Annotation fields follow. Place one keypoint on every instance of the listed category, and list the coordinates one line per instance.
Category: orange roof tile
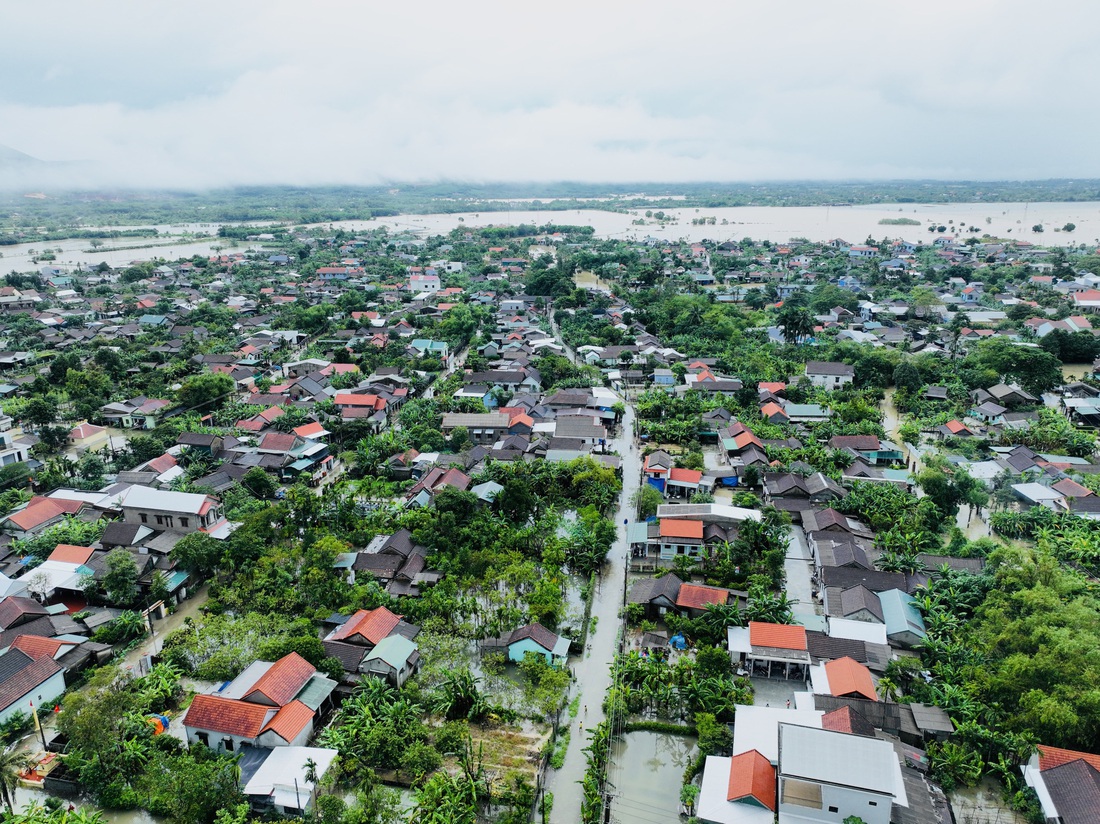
(778, 636)
(289, 721)
(1050, 757)
(308, 429)
(696, 596)
(226, 716)
(69, 554)
(849, 677)
(371, 624)
(283, 680)
(752, 776)
(37, 646)
(688, 476)
(675, 528)
(772, 408)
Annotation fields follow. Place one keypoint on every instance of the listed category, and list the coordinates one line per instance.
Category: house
(829, 374)
(176, 511)
(88, 437)
(760, 646)
(270, 704)
(532, 638)
(872, 449)
(680, 537)
(828, 776)
(394, 659)
(27, 682)
(843, 678)
(693, 599)
(367, 627)
(283, 780)
(137, 413)
(657, 595)
(904, 624)
(39, 514)
(747, 796)
(1067, 783)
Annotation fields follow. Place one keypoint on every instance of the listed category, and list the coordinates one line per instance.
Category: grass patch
(561, 747)
(574, 706)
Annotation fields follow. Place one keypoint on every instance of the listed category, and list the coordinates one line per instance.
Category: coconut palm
(12, 763)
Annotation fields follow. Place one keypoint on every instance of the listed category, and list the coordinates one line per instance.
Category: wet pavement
(798, 567)
(593, 668)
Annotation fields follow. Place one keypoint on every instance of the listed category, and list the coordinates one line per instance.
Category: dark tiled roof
(845, 577)
(537, 633)
(350, 656)
(25, 679)
(16, 608)
(847, 720)
(827, 648)
(1075, 790)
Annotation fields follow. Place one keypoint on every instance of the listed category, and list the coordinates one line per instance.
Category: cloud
(207, 94)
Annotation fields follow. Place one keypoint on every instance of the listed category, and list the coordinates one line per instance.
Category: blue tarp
(677, 641)
(657, 483)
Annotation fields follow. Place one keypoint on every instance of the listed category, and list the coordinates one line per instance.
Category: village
(518, 524)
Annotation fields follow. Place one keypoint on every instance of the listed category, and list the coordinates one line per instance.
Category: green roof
(806, 410)
(316, 690)
(900, 613)
(394, 650)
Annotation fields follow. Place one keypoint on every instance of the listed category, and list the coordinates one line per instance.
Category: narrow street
(593, 667)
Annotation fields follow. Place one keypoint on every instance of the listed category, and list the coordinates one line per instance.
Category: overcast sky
(204, 94)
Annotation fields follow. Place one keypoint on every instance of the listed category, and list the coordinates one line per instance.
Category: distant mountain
(14, 159)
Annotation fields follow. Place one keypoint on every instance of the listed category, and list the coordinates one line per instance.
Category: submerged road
(593, 667)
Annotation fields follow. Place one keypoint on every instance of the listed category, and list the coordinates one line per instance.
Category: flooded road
(593, 667)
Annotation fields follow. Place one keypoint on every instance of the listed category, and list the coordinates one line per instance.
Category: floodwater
(781, 223)
(775, 223)
(25, 796)
(647, 771)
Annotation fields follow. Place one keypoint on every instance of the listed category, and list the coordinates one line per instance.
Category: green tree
(198, 553)
(206, 392)
(120, 579)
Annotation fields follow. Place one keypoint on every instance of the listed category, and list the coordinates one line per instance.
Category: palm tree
(12, 763)
(797, 323)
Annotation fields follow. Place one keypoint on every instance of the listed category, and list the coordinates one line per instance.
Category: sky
(209, 94)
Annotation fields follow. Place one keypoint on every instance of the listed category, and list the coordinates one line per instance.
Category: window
(168, 521)
(802, 794)
(834, 809)
(228, 744)
(160, 520)
(144, 518)
(204, 738)
(183, 522)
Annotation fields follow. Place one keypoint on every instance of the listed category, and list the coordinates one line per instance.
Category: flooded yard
(647, 771)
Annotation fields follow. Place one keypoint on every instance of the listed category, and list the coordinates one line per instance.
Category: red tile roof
(847, 720)
(772, 409)
(352, 399)
(38, 647)
(955, 427)
(161, 464)
(69, 554)
(226, 716)
(371, 624)
(1050, 757)
(283, 680)
(778, 636)
(40, 510)
(687, 476)
(696, 596)
(771, 386)
(308, 429)
(849, 677)
(752, 776)
(278, 441)
(289, 721)
(676, 528)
